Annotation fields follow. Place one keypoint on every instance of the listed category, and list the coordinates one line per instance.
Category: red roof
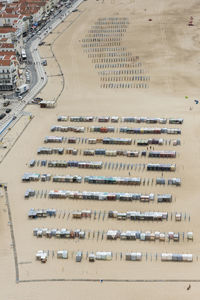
(3, 40)
(5, 63)
(6, 45)
(7, 53)
(7, 29)
(5, 15)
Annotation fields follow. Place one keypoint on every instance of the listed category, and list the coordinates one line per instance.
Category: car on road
(8, 110)
(6, 103)
(37, 100)
(2, 116)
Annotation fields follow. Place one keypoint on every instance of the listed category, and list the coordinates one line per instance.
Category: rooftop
(7, 29)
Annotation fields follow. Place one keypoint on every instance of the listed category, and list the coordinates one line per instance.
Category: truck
(22, 89)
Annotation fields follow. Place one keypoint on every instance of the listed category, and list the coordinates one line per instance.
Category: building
(8, 72)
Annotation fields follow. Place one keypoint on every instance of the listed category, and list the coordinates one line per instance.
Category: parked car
(6, 103)
(2, 116)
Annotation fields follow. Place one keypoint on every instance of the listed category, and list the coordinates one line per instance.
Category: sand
(168, 51)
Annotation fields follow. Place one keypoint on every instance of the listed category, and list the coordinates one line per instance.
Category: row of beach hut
(77, 164)
(62, 233)
(67, 128)
(137, 215)
(42, 256)
(45, 150)
(108, 140)
(145, 236)
(126, 130)
(111, 214)
(41, 213)
(113, 180)
(47, 177)
(104, 152)
(149, 130)
(161, 167)
(115, 119)
(112, 234)
(27, 177)
(176, 257)
(106, 196)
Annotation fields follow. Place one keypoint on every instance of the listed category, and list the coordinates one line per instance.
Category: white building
(8, 73)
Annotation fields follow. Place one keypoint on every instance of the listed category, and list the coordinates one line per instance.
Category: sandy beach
(157, 33)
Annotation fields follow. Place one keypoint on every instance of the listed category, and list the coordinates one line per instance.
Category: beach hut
(142, 142)
(190, 235)
(76, 214)
(82, 119)
(104, 255)
(111, 153)
(121, 216)
(133, 256)
(132, 153)
(89, 152)
(178, 217)
(32, 214)
(30, 177)
(173, 131)
(53, 139)
(164, 198)
(86, 213)
(57, 194)
(62, 119)
(42, 256)
(112, 234)
(92, 141)
(176, 142)
(29, 193)
(47, 104)
(91, 257)
(176, 257)
(162, 154)
(100, 151)
(175, 121)
(71, 140)
(160, 181)
(174, 181)
(63, 254)
(114, 119)
(161, 167)
(103, 119)
(79, 256)
(112, 214)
